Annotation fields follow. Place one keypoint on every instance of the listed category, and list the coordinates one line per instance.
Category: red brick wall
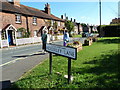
(8, 18)
(40, 23)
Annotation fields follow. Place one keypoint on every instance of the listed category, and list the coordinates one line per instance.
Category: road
(18, 60)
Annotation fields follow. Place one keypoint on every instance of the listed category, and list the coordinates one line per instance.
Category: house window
(35, 33)
(62, 24)
(19, 34)
(18, 18)
(52, 22)
(34, 20)
(3, 34)
(58, 23)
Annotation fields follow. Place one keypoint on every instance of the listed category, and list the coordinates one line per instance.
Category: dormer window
(18, 18)
(35, 20)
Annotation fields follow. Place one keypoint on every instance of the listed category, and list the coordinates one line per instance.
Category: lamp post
(100, 15)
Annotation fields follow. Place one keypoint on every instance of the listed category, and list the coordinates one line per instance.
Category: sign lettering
(62, 50)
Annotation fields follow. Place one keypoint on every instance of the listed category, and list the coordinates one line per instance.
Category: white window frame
(35, 20)
(35, 33)
(58, 23)
(52, 22)
(18, 18)
(62, 24)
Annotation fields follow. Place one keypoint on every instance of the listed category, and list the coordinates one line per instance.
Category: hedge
(110, 30)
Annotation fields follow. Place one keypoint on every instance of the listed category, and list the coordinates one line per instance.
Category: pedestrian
(65, 38)
(44, 41)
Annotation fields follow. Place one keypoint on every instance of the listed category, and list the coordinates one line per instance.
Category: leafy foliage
(25, 33)
(70, 26)
(55, 25)
(110, 30)
(83, 25)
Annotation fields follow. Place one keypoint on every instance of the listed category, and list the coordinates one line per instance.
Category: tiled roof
(25, 10)
(56, 18)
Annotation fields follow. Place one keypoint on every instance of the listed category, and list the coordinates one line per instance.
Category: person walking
(44, 41)
(65, 38)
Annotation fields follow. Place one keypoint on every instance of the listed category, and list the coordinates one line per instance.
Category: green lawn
(96, 66)
(77, 36)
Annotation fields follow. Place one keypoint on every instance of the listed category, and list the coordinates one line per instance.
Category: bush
(109, 30)
(74, 43)
(25, 32)
(94, 39)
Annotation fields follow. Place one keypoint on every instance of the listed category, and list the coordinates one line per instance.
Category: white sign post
(69, 52)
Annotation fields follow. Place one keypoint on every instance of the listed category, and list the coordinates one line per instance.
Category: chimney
(47, 9)
(71, 19)
(67, 18)
(74, 20)
(61, 16)
(15, 2)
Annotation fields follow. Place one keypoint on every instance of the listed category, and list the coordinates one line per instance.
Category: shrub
(74, 43)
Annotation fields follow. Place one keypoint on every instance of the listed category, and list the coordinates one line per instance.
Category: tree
(55, 25)
(83, 25)
(70, 27)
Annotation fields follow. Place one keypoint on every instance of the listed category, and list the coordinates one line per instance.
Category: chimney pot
(71, 19)
(61, 16)
(67, 18)
(74, 20)
(15, 2)
(47, 9)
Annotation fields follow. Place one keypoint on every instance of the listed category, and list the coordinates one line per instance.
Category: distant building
(87, 28)
(115, 21)
(93, 28)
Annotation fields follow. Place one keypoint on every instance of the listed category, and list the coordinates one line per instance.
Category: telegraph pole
(100, 15)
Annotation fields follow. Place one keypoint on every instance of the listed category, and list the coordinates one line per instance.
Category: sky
(83, 12)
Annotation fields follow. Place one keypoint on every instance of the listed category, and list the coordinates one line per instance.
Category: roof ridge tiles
(27, 10)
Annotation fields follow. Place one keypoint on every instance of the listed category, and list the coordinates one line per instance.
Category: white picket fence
(4, 43)
(31, 40)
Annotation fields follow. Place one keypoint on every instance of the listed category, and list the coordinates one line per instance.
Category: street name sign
(69, 52)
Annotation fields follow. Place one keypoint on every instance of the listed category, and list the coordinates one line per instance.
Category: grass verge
(77, 36)
(97, 66)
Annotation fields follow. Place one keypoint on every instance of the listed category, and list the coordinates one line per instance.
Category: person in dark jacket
(44, 40)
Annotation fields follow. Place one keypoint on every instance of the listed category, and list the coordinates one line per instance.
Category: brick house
(115, 21)
(77, 27)
(15, 17)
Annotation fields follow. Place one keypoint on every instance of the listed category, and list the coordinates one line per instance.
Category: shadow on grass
(105, 70)
(109, 41)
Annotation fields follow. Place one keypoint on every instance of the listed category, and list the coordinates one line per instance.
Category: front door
(10, 38)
